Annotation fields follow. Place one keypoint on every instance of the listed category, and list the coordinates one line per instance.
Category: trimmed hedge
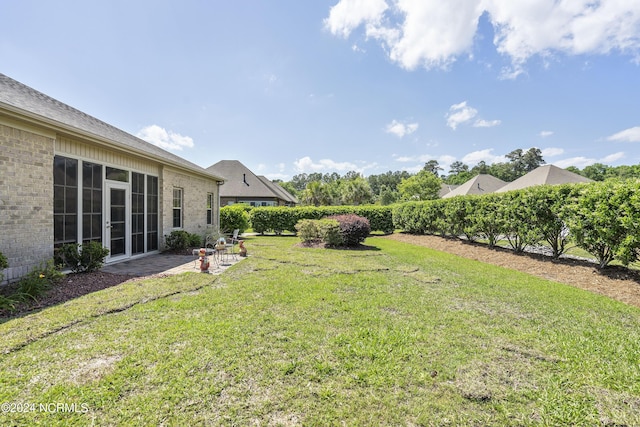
(603, 218)
(281, 219)
(234, 217)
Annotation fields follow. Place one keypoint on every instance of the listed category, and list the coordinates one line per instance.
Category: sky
(289, 87)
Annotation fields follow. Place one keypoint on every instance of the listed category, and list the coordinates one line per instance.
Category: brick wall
(194, 193)
(26, 199)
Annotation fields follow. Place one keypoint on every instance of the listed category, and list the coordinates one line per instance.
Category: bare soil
(618, 283)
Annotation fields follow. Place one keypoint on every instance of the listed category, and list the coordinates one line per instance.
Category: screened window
(65, 200)
(117, 174)
(91, 202)
(152, 213)
(137, 213)
(177, 208)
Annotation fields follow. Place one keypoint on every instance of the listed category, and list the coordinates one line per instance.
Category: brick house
(243, 186)
(67, 177)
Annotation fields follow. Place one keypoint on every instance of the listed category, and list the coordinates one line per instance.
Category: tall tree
(532, 159)
(433, 167)
(355, 191)
(422, 186)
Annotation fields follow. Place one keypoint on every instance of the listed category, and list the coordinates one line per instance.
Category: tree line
(352, 188)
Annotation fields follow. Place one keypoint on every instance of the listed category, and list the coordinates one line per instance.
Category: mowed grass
(392, 335)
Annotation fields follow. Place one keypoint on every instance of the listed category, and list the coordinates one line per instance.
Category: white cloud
(546, 133)
(485, 155)
(444, 161)
(627, 135)
(401, 129)
(163, 138)
(581, 162)
(552, 152)
(280, 176)
(433, 33)
(612, 157)
(486, 123)
(460, 113)
(307, 165)
(347, 15)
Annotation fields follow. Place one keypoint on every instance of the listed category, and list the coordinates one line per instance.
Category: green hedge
(603, 218)
(281, 219)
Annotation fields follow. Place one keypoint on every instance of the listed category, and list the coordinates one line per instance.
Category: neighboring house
(479, 184)
(243, 186)
(67, 177)
(544, 175)
(446, 189)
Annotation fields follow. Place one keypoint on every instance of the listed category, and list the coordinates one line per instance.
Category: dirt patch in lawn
(618, 283)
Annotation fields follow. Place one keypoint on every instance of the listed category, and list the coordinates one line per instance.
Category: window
(209, 209)
(91, 202)
(65, 200)
(117, 174)
(137, 213)
(177, 208)
(152, 213)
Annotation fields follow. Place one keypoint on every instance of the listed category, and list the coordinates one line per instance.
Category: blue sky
(292, 86)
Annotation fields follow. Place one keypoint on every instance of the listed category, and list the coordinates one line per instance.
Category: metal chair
(232, 241)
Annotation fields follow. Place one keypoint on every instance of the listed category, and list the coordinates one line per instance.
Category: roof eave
(36, 119)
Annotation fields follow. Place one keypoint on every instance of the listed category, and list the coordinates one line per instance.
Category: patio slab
(167, 264)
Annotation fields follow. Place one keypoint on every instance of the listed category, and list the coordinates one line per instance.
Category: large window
(137, 213)
(152, 213)
(91, 202)
(177, 208)
(65, 200)
(209, 209)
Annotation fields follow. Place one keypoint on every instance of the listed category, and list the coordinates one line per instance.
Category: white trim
(108, 186)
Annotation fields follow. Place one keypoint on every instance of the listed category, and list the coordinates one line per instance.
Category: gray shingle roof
(241, 182)
(544, 175)
(479, 184)
(36, 105)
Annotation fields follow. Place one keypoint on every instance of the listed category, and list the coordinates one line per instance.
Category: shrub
(194, 240)
(3, 264)
(177, 240)
(279, 219)
(308, 230)
(81, 258)
(7, 303)
(353, 228)
(604, 221)
(329, 232)
(326, 230)
(92, 255)
(37, 282)
(234, 216)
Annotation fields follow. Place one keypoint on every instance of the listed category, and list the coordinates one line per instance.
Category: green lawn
(393, 335)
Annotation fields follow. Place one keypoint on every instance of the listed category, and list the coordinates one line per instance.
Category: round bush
(353, 228)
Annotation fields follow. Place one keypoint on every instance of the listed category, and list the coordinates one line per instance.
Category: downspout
(220, 184)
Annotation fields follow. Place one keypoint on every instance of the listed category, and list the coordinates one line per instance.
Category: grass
(393, 335)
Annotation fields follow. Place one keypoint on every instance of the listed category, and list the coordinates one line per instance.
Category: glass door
(117, 218)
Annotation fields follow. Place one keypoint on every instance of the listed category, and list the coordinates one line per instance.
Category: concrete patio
(168, 264)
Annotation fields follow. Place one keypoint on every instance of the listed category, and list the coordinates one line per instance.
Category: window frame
(178, 208)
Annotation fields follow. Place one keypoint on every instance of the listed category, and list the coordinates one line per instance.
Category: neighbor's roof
(544, 175)
(278, 190)
(479, 184)
(39, 108)
(446, 189)
(241, 182)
